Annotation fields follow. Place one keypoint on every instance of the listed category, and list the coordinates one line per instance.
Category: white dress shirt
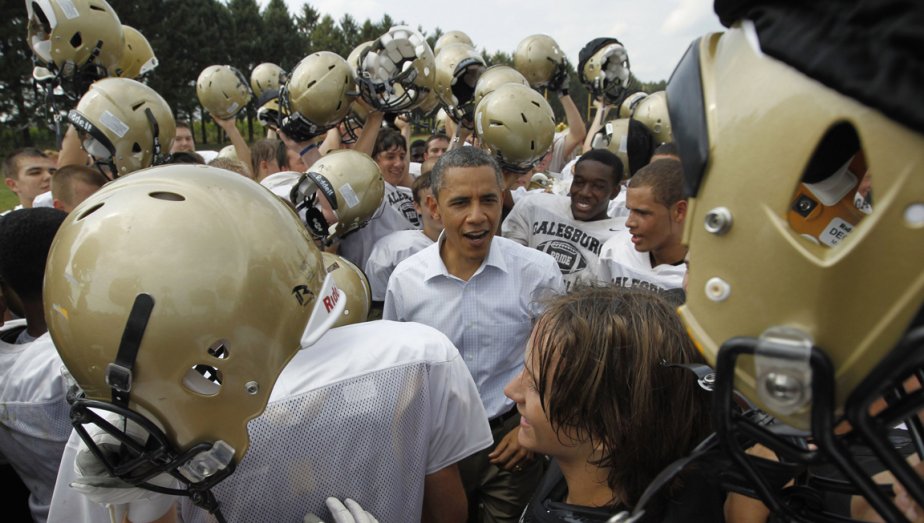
(489, 317)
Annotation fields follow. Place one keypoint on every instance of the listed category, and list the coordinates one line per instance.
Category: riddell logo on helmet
(303, 295)
(331, 301)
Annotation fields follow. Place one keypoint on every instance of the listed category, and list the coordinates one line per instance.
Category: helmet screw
(252, 387)
(717, 289)
(718, 220)
(783, 387)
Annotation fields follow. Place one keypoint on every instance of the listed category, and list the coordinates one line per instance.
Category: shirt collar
(436, 266)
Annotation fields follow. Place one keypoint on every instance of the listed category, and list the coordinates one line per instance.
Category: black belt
(499, 420)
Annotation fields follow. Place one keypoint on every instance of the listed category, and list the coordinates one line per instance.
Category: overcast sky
(655, 32)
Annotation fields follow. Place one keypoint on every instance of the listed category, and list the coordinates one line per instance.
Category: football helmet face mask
(452, 37)
(268, 111)
(75, 38)
(494, 77)
(539, 59)
(606, 72)
(317, 96)
(396, 71)
(137, 56)
(352, 186)
(517, 125)
(190, 355)
(124, 125)
(651, 111)
(458, 68)
(266, 77)
(354, 287)
(223, 91)
(784, 323)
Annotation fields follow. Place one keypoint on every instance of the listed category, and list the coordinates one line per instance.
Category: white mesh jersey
(34, 416)
(545, 222)
(622, 265)
(365, 413)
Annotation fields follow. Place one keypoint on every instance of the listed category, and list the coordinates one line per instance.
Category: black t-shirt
(699, 500)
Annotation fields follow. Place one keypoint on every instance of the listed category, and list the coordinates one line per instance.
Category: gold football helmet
(494, 77)
(651, 111)
(266, 77)
(628, 105)
(606, 72)
(458, 67)
(452, 37)
(223, 91)
(152, 332)
(353, 285)
(352, 186)
(397, 71)
(517, 125)
(124, 124)
(76, 36)
(539, 59)
(317, 95)
(137, 56)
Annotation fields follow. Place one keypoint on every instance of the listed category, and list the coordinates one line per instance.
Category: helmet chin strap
(119, 372)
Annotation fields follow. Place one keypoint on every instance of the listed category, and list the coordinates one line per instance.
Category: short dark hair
(26, 236)
(418, 143)
(62, 181)
(605, 157)
(598, 353)
(184, 124)
(437, 136)
(388, 139)
(665, 177)
(10, 164)
(420, 184)
(186, 157)
(462, 157)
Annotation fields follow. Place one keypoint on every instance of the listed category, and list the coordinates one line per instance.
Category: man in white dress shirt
(650, 254)
(483, 293)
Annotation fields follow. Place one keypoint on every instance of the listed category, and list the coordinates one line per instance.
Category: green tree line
(188, 36)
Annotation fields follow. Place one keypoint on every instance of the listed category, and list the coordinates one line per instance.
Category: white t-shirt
(622, 265)
(34, 415)
(366, 413)
(43, 200)
(402, 199)
(545, 222)
(389, 218)
(387, 254)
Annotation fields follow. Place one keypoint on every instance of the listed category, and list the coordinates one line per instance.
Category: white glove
(351, 513)
(95, 482)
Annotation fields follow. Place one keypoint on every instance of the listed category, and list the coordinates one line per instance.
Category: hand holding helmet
(95, 481)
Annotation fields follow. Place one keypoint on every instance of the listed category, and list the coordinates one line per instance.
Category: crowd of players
(197, 342)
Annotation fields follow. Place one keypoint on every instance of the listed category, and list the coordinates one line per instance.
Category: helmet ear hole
(136, 147)
(203, 379)
(219, 350)
(76, 40)
(825, 207)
